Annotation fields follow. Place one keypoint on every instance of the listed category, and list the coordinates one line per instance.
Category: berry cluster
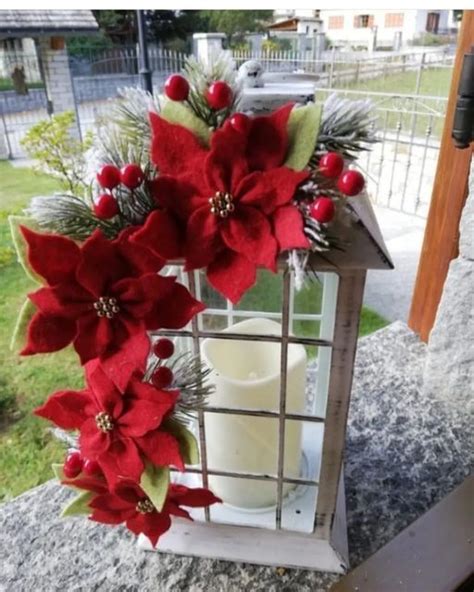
(75, 464)
(163, 376)
(218, 95)
(349, 182)
(110, 177)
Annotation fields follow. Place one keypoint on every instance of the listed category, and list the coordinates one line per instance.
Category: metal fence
(409, 92)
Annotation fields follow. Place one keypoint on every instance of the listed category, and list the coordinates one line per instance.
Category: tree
(235, 23)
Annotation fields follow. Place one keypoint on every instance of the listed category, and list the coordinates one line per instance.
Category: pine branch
(347, 127)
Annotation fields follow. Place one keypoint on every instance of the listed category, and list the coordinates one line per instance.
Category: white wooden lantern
(279, 466)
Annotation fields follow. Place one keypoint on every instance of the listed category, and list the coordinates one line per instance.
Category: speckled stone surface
(404, 453)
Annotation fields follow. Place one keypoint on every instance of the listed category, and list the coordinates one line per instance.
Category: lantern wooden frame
(326, 547)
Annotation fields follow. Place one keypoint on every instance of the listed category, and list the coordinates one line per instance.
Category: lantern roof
(362, 244)
(46, 23)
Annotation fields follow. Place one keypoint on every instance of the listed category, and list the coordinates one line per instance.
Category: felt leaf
(78, 505)
(175, 112)
(21, 245)
(58, 471)
(20, 337)
(188, 445)
(155, 483)
(303, 128)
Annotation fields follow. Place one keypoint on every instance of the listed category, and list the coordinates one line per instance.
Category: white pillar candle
(247, 376)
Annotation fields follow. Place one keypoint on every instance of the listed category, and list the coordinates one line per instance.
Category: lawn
(27, 446)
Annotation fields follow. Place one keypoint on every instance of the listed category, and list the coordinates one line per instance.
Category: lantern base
(261, 546)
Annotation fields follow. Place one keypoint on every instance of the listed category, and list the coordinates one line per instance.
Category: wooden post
(441, 239)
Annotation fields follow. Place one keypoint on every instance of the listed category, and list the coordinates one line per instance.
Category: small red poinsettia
(102, 296)
(234, 201)
(128, 503)
(119, 430)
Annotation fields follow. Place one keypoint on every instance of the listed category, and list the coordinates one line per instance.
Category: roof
(43, 23)
(363, 244)
(292, 23)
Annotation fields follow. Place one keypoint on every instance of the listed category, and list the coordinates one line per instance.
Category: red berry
(240, 122)
(351, 183)
(131, 176)
(162, 377)
(219, 95)
(106, 206)
(322, 209)
(163, 348)
(91, 468)
(177, 88)
(73, 464)
(108, 176)
(331, 165)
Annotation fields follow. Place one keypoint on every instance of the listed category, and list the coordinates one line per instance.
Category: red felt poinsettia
(128, 503)
(119, 430)
(234, 201)
(102, 296)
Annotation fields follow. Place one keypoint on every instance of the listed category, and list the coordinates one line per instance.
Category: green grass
(7, 84)
(27, 446)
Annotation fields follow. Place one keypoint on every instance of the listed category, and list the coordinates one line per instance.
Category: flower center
(222, 204)
(106, 307)
(104, 422)
(145, 506)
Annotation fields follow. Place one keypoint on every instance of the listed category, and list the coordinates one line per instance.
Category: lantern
(272, 435)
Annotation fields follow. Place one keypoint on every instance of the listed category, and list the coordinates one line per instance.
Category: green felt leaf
(188, 445)
(18, 340)
(175, 112)
(155, 482)
(58, 471)
(78, 505)
(303, 128)
(21, 246)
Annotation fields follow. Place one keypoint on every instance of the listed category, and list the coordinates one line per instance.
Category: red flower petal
(270, 189)
(101, 265)
(107, 397)
(48, 333)
(131, 356)
(175, 510)
(65, 409)
(202, 238)
(94, 336)
(93, 442)
(146, 392)
(121, 461)
(288, 228)
(64, 300)
(152, 525)
(226, 164)
(94, 484)
(196, 497)
(141, 418)
(181, 195)
(161, 234)
(162, 449)
(172, 145)
(175, 310)
(140, 258)
(249, 233)
(231, 274)
(52, 256)
(268, 139)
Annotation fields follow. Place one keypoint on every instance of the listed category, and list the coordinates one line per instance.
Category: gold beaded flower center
(145, 506)
(106, 307)
(222, 204)
(104, 422)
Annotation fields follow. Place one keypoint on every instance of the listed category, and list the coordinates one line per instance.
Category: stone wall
(449, 369)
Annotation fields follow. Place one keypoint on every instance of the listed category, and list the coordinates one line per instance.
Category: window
(432, 22)
(336, 22)
(363, 21)
(394, 19)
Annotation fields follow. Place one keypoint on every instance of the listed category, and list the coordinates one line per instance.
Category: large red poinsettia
(119, 430)
(128, 503)
(102, 296)
(234, 200)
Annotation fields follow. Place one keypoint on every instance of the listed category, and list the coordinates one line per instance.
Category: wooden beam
(433, 554)
(450, 188)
